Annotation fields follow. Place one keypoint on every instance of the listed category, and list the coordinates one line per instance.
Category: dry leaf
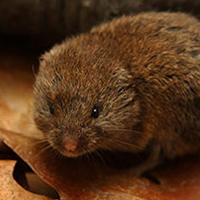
(80, 179)
(9, 188)
(16, 80)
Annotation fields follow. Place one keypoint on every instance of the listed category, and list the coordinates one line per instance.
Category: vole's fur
(142, 73)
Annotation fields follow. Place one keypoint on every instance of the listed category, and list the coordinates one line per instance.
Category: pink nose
(70, 144)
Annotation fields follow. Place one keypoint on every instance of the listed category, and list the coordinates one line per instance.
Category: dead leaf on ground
(9, 188)
(16, 83)
(80, 179)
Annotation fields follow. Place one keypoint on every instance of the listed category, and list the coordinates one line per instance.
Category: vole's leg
(151, 161)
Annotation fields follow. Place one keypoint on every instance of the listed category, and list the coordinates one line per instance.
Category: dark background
(39, 24)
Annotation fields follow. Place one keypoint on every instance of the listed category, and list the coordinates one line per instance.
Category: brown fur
(142, 72)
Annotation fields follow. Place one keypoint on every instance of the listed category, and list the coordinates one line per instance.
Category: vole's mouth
(72, 146)
(73, 151)
(76, 153)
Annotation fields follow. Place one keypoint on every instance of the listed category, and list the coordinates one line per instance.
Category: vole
(127, 85)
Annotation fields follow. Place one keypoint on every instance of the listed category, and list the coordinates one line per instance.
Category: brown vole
(128, 85)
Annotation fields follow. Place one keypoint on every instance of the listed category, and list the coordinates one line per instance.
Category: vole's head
(83, 103)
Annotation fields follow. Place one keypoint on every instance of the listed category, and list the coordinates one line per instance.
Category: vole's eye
(95, 112)
(51, 109)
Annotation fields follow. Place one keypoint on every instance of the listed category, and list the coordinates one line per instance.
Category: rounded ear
(47, 56)
(123, 77)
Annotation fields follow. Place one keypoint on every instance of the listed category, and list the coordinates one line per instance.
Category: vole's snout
(70, 144)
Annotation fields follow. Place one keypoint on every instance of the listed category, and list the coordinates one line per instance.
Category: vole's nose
(70, 144)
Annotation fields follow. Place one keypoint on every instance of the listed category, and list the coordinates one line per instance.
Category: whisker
(119, 143)
(96, 152)
(43, 150)
(41, 142)
(33, 71)
(90, 156)
(42, 145)
(127, 143)
(124, 130)
(86, 154)
(57, 154)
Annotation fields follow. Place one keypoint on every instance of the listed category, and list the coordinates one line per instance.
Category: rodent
(127, 85)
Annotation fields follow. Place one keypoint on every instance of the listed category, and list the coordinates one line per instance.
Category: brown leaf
(9, 188)
(84, 180)
(16, 80)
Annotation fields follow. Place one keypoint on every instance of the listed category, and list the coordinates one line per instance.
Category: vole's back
(162, 51)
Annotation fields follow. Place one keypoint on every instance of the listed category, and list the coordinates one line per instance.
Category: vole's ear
(123, 77)
(42, 61)
(47, 56)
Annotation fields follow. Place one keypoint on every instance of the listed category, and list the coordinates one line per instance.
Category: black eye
(95, 112)
(51, 109)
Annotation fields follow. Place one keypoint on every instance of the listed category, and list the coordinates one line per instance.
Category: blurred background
(38, 24)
